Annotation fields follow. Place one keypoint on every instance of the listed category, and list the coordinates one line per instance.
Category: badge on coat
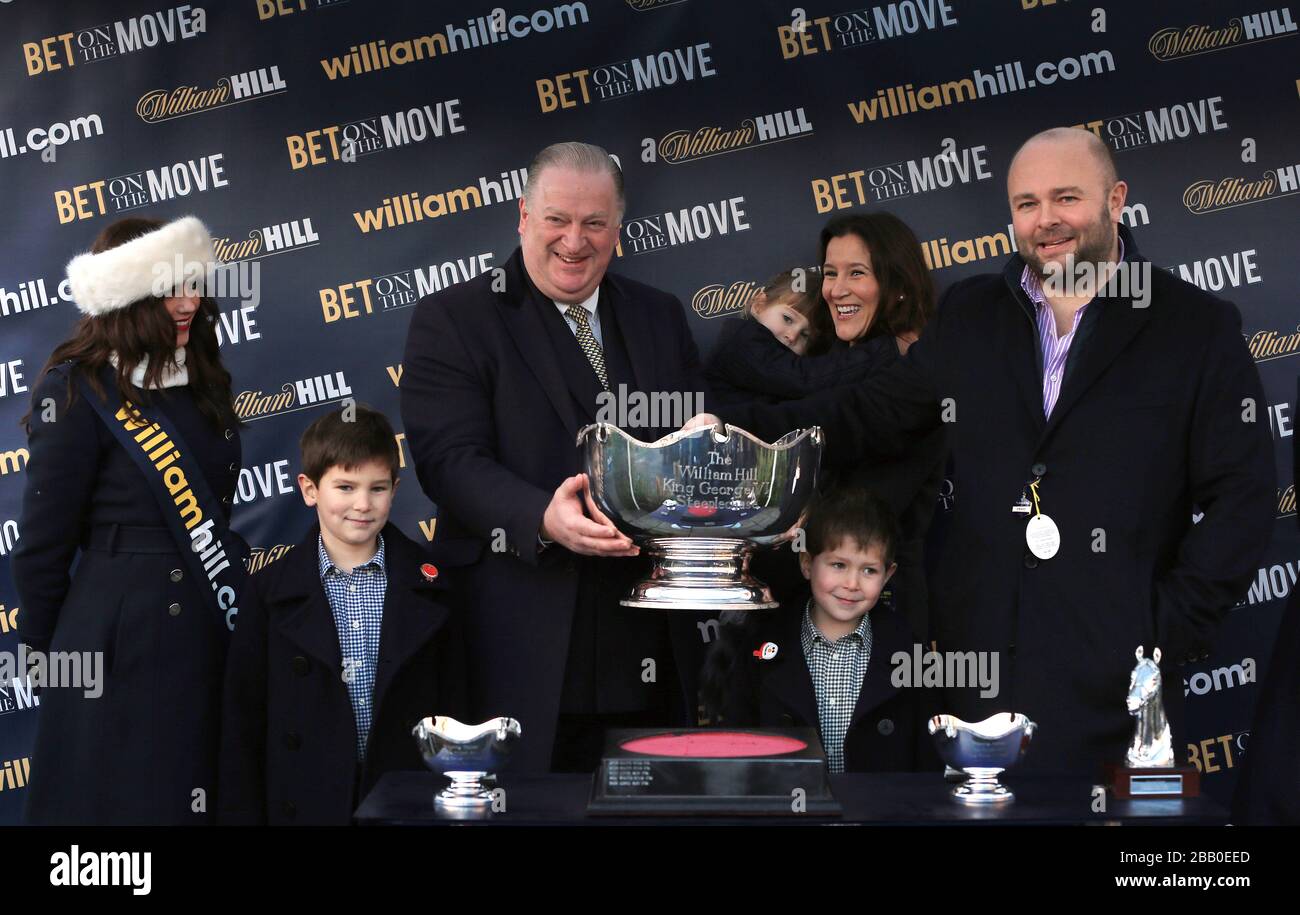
(429, 571)
(1042, 536)
(766, 651)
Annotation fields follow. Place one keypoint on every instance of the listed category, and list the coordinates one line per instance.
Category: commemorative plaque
(770, 772)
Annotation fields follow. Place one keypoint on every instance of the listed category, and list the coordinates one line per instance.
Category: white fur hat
(157, 263)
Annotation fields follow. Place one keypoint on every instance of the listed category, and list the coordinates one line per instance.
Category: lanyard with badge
(1041, 534)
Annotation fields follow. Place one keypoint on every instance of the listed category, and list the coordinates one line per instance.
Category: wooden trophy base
(1128, 783)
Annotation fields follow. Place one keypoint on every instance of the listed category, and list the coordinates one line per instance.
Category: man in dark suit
(1114, 411)
(499, 375)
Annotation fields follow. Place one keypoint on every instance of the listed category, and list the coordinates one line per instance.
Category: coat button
(1039, 469)
(292, 740)
(300, 666)
(1031, 561)
(233, 467)
(1011, 650)
(885, 727)
(174, 609)
(225, 500)
(176, 575)
(230, 434)
(787, 719)
(290, 810)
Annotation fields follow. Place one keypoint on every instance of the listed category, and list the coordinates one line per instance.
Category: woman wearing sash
(135, 453)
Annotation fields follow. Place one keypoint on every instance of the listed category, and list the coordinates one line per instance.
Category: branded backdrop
(352, 156)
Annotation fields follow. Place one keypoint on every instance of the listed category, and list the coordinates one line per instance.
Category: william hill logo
(13, 461)
(901, 179)
(1265, 345)
(401, 209)
(703, 142)
(1209, 196)
(125, 36)
(1286, 502)
(941, 252)
(717, 300)
(292, 396)
(278, 238)
(1160, 125)
(476, 33)
(15, 773)
(259, 557)
(163, 105)
(1187, 41)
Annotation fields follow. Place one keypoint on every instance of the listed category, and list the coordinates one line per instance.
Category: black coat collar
(299, 607)
(1118, 323)
(787, 675)
(523, 308)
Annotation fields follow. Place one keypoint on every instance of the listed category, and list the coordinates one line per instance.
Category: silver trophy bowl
(699, 502)
(467, 754)
(982, 750)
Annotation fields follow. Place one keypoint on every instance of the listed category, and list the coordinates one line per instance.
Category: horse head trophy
(1152, 746)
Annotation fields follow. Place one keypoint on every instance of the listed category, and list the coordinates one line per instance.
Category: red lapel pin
(766, 651)
(429, 571)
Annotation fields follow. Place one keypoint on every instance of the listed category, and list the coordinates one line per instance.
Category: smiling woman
(874, 278)
(134, 454)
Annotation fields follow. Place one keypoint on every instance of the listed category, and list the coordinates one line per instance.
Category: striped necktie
(587, 340)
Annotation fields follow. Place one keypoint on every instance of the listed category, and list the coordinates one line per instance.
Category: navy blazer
(492, 419)
(288, 745)
(888, 730)
(1149, 425)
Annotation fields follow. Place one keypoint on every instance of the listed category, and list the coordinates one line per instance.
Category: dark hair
(141, 329)
(906, 290)
(336, 441)
(850, 513)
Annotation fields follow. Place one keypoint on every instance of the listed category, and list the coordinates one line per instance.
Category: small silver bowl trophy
(699, 502)
(1149, 769)
(468, 754)
(982, 750)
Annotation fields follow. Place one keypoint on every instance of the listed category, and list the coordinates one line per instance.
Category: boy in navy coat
(825, 660)
(340, 647)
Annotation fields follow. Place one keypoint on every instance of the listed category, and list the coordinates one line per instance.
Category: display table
(895, 798)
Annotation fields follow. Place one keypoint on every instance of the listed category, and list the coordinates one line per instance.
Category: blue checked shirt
(838, 669)
(357, 602)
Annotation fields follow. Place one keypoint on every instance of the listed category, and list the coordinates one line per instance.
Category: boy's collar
(813, 631)
(325, 562)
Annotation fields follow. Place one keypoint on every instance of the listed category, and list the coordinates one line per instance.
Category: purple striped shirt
(1055, 349)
